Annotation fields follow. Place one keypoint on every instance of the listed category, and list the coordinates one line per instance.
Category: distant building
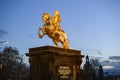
(100, 73)
(88, 72)
(87, 66)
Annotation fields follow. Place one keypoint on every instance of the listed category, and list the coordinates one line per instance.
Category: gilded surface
(52, 28)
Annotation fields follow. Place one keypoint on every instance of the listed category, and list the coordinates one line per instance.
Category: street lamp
(1, 65)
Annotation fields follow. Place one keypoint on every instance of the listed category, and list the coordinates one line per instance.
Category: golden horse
(57, 35)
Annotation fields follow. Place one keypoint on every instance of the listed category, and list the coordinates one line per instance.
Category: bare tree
(12, 64)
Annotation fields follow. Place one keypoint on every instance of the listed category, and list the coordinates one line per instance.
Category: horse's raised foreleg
(40, 35)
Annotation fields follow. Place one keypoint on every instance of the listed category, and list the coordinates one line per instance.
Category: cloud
(114, 30)
(108, 67)
(111, 67)
(106, 61)
(91, 51)
(3, 32)
(114, 57)
(116, 64)
(4, 42)
(113, 61)
(96, 58)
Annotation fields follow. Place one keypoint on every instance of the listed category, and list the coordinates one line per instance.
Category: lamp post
(1, 65)
(3, 43)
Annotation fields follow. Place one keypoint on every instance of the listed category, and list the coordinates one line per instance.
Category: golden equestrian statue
(52, 28)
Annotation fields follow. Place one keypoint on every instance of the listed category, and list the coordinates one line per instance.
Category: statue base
(53, 63)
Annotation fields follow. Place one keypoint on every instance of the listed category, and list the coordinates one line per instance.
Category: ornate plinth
(53, 63)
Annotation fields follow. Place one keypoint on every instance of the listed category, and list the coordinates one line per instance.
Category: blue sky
(92, 26)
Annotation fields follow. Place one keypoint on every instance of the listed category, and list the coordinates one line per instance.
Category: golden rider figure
(52, 28)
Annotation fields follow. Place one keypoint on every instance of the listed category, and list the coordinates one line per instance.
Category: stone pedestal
(53, 63)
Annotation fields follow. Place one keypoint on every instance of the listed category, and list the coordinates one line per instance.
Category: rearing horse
(50, 30)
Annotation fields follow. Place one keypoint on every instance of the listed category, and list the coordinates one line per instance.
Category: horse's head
(46, 18)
